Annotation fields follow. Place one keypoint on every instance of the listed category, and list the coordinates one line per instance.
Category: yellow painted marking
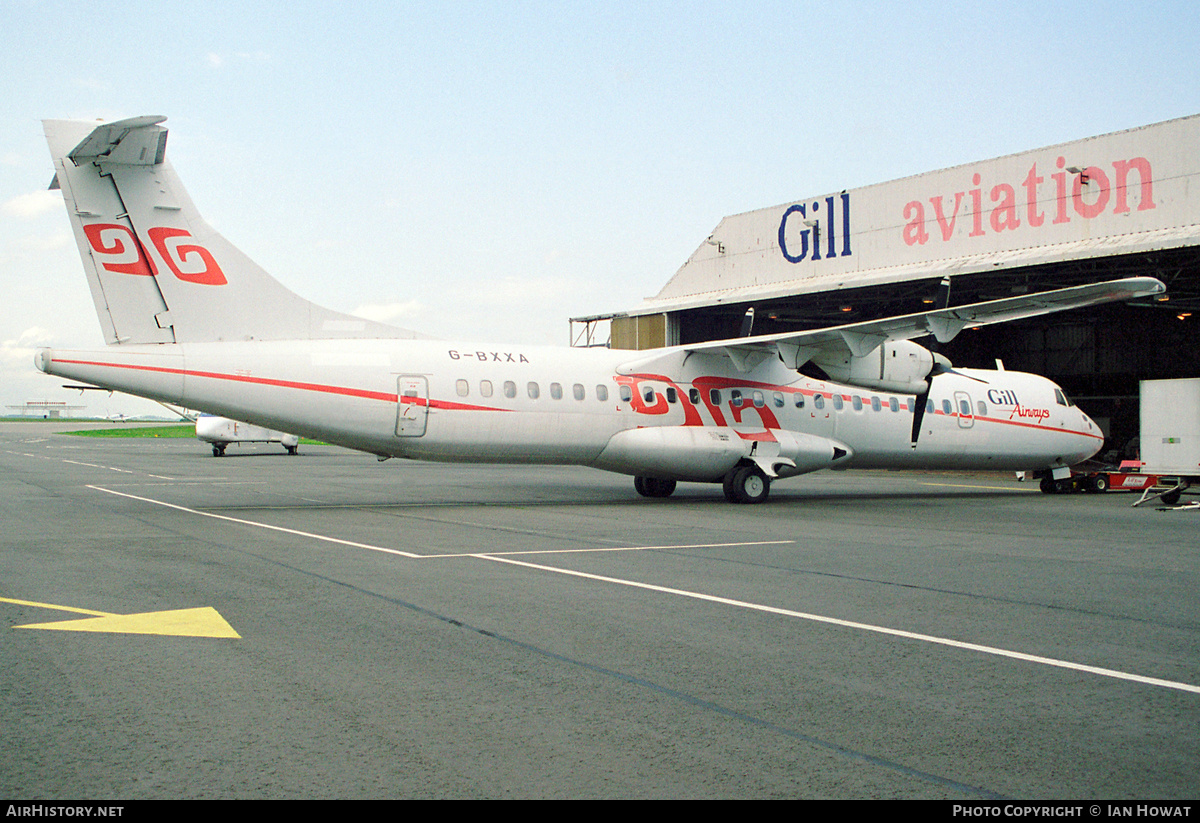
(200, 622)
(974, 486)
(57, 608)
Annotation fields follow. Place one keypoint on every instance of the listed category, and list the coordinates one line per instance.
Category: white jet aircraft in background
(190, 320)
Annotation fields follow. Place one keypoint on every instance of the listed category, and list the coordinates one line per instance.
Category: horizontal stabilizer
(138, 141)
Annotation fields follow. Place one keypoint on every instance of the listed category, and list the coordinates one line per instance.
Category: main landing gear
(653, 487)
(743, 484)
(746, 484)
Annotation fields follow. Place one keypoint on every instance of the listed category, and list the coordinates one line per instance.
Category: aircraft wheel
(218, 451)
(292, 449)
(746, 484)
(653, 487)
(659, 488)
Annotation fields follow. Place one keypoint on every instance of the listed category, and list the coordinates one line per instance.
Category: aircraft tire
(654, 487)
(218, 451)
(746, 484)
(659, 488)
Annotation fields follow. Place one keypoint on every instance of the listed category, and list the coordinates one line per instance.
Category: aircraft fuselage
(445, 401)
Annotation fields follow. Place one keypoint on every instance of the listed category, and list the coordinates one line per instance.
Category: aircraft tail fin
(158, 272)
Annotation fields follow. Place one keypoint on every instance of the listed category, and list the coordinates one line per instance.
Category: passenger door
(412, 411)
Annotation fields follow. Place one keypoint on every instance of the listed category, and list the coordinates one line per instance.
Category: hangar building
(1118, 205)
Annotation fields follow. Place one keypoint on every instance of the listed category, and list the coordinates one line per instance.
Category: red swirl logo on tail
(189, 262)
(117, 250)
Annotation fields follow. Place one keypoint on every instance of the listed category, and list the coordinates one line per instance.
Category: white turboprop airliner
(190, 320)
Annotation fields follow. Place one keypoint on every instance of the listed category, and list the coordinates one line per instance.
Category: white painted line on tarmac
(850, 624)
(926, 638)
(616, 549)
(242, 522)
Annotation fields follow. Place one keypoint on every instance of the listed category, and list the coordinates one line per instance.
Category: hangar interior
(1098, 355)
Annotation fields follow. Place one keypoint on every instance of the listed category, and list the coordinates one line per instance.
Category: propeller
(941, 365)
(747, 323)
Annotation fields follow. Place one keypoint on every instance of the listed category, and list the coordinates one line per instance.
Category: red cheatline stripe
(389, 397)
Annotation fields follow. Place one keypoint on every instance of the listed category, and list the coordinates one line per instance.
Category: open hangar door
(1098, 355)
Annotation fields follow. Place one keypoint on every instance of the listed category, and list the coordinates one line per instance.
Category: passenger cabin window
(462, 387)
(672, 395)
(714, 396)
(694, 396)
(648, 394)
(577, 390)
(818, 401)
(485, 388)
(778, 398)
(735, 397)
(856, 401)
(534, 390)
(982, 407)
(556, 391)
(799, 400)
(964, 408)
(894, 404)
(876, 404)
(510, 389)
(947, 408)
(602, 392)
(626, 394)
(759, 400)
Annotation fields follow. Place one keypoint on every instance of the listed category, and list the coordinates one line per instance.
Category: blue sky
(486, 170)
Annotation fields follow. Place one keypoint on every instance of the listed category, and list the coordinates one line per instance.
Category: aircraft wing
(859, 339)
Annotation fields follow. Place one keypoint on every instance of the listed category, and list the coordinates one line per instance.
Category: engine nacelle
(706, 453)
(899, 366)
(674, 452)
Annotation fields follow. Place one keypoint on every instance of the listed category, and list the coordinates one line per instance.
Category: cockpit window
(1061, 398)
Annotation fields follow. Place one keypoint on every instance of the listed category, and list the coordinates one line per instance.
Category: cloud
(34, 204)
(21, 350)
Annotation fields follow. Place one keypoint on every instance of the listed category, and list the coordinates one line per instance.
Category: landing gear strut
(746, 484)
(654, 487)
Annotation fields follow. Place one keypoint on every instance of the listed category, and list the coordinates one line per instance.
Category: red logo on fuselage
(1024, 411)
